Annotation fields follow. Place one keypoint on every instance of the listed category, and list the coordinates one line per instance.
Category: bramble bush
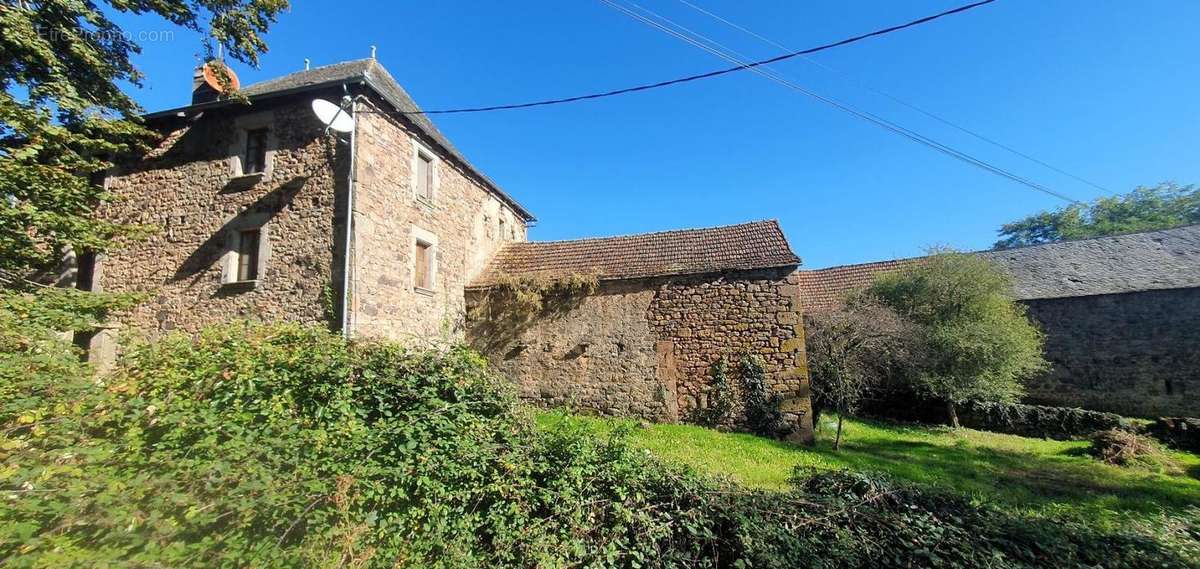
(285, 446)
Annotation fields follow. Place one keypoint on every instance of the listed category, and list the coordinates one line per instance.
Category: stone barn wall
(644, 347)
(1135, 353)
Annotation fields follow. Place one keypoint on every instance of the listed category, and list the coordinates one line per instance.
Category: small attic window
(424, 177)
(254, 160)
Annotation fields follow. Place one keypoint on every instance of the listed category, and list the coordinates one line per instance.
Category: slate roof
(1152, 260)
(370, 72)
(754, 245)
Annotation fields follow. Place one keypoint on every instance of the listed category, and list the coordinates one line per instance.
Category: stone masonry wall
(752, 312)
(599, 354)
(644, 347)
(1135, 354)
(463, 218)
(188, 189)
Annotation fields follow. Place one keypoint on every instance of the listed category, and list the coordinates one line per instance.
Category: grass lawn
(1021, 474)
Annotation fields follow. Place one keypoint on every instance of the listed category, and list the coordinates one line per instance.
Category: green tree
(977, 342)
(1144, 209)
(63, 114)
(851, 349)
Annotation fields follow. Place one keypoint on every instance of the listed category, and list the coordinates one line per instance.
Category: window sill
(244, 182)
(423, 291)
(425, 202)
(239, 286)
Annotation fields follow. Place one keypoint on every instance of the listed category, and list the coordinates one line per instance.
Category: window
(423, 266)
(503, 224)
(424, 176)
(247, 254)
(254, 161)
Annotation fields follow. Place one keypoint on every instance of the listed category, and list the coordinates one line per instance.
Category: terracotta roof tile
(823, 289)
(754, 245)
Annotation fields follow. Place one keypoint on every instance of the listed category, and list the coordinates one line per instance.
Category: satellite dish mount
(335, 118)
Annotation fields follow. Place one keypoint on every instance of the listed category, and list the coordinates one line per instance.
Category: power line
(898, 100)
(741, 67)
(724, 53)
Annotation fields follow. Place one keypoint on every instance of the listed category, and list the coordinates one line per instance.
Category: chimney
(202, 92)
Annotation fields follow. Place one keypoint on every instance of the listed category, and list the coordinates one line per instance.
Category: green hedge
(283, 446)
(1063, 423)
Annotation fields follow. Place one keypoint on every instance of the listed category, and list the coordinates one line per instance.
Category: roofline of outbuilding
(356, 79)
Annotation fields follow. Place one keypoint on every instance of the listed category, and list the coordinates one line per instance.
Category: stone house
(1121, 317)
(667, 306)
(251, 203)
(385, 231)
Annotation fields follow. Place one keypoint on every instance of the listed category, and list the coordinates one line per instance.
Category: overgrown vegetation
(521, 297)
(851, 350)
(722, 399)
(762, 406)
(1025, 477)
(977, 344)
(285, 446)
(1163, 206)
(499, 312)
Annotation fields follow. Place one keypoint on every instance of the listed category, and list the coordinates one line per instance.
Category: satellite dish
(213, 80)
(332, 116)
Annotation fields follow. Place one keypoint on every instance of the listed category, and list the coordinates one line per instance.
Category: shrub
(285, 446)
(851, 351)
(264, 446)
(977, 343)
(763, 415)
(870, 520)
(721, 398)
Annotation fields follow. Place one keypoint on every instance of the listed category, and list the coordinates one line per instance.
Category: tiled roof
(1152, 260)
(378, 78)
(823, 289)
(754, 245)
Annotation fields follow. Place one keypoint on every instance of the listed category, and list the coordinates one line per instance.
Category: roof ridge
(772, 221)
(850, 265)
(346, 63)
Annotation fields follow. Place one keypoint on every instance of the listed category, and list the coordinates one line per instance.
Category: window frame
(239, 146)
(247, 270)
(235, 227)
(433, 179)
(426, 240)
(256, 141)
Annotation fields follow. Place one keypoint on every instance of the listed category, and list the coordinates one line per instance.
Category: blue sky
(1104, 89)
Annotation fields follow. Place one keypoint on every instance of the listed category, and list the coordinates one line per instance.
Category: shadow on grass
(1019, 478)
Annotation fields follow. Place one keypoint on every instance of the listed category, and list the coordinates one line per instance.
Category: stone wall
(645, 347)
(463, 218)
(1136, 354)
(188, 188)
